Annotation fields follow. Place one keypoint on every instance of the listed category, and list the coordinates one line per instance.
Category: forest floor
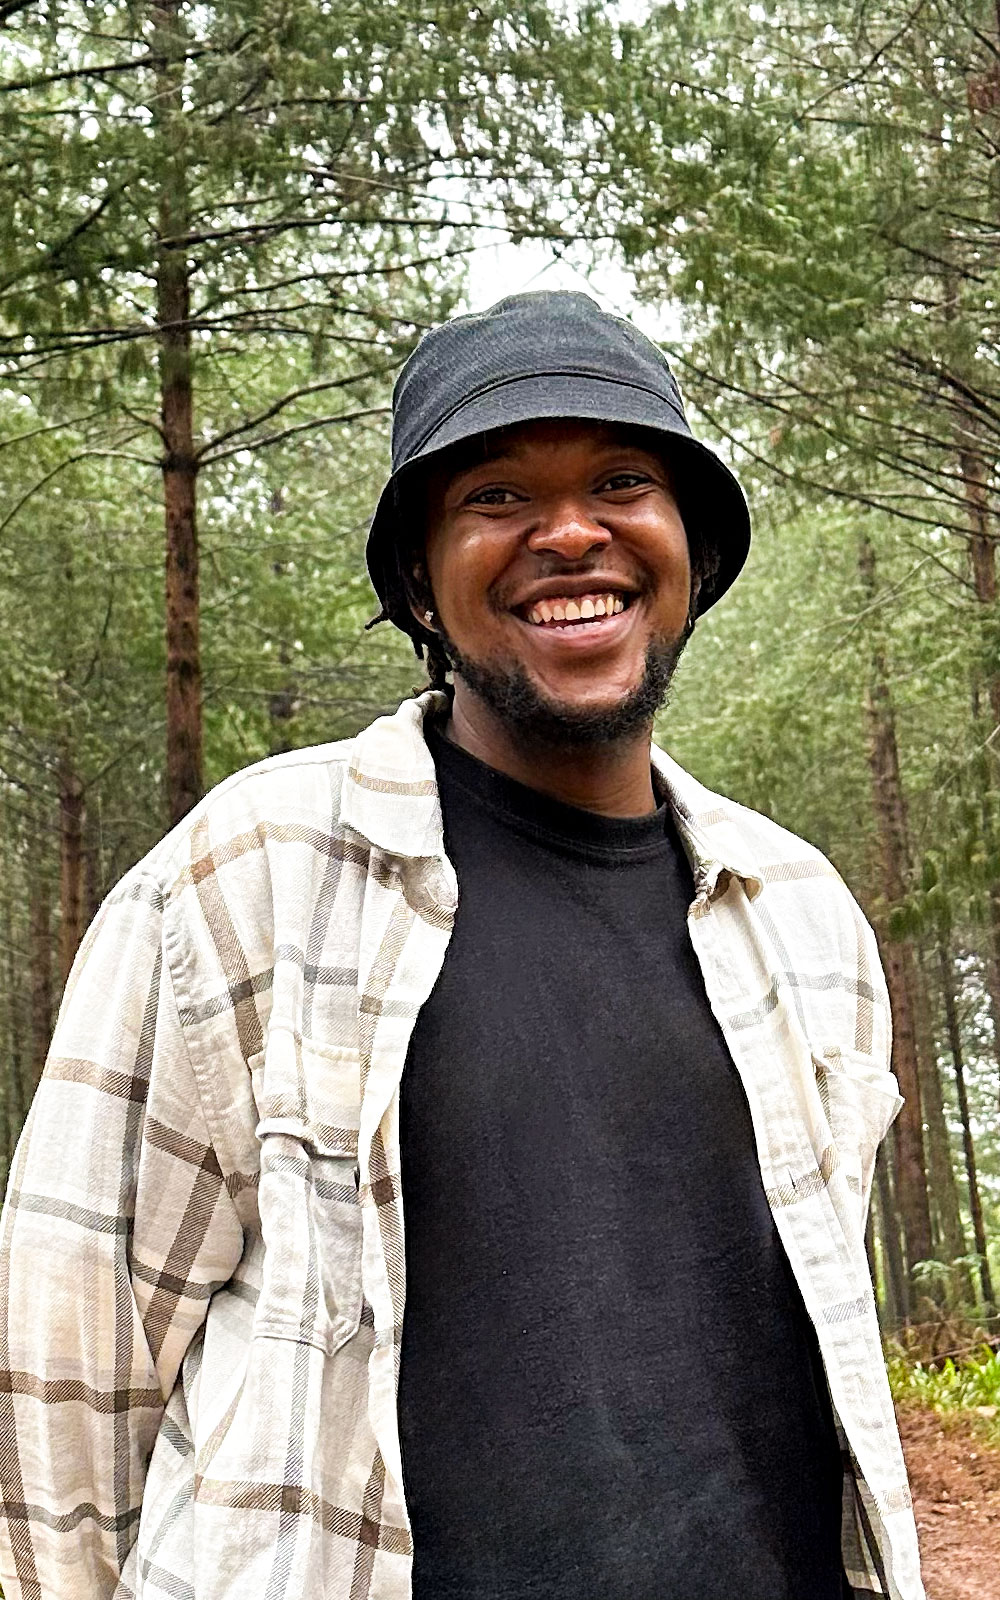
(955, 1480)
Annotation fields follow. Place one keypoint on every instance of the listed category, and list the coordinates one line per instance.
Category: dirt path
(955, 1480)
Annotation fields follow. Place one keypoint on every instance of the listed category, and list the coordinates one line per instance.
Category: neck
(612, 779)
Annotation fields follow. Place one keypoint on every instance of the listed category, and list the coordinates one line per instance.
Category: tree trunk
(982, 547)
(93, 875)
(179, 462)
(890, 821)
(12, 1037)
(40, 936)
(983, 567)
(897, 1290)
(949, 1234)
(958, 1061)
(911, 1175)
(282, 705)
(71, 812)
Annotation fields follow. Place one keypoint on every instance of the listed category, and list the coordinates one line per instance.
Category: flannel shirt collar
(390, 798)
(709, 831)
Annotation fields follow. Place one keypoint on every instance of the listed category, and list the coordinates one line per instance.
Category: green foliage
(970, 1384)
(816, 185)
(305, 180)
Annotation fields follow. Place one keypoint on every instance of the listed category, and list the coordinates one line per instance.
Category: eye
(491, 494)
(626, 480)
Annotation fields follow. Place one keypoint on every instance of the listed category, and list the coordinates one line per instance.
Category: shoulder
(295, 795)
(797, 914)
(785, 873)
(322, 802)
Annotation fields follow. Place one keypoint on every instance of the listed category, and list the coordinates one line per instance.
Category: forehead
(547, 435)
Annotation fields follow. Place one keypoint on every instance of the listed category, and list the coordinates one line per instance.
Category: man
(614, 1048)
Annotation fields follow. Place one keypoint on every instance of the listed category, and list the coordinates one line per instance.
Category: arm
(116, 1228)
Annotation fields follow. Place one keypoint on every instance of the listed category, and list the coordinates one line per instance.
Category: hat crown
(541, 333)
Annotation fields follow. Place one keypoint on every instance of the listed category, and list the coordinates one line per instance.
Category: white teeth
(582, 609)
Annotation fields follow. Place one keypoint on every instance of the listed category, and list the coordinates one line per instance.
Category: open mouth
(564, 612)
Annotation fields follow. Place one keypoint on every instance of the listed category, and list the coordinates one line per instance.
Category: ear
(418, 595)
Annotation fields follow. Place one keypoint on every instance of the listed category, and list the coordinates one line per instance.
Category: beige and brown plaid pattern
(201, 1263)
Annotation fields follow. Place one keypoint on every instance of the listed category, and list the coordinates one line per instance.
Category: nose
(567, 529)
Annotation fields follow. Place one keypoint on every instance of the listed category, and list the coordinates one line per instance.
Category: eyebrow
(491, 457)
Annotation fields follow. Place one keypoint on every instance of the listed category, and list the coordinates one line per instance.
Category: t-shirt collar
(390, 798)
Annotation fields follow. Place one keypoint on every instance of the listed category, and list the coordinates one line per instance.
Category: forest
(225, 229)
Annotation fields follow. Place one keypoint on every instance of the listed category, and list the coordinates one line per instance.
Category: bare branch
(798, 480)
(70, 461)
(10, 8)
(303, 427)
(340, 273)
(255, 230)
(52, 427)
(107, 70)
(249, 423)
(949, 379)
(935, 260)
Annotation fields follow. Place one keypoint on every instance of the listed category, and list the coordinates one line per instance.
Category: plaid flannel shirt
(201, 1263)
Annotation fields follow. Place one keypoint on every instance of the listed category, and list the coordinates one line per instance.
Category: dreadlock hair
(408, 588)
(703, 557)
(428, 644)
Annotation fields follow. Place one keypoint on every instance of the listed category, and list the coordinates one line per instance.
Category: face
(559, 568)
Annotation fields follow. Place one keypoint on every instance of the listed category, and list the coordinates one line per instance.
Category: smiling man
(614, 1049)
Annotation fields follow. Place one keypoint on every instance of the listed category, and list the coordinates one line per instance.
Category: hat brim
(709, 494)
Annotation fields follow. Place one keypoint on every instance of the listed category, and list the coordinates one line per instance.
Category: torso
(608, 1381)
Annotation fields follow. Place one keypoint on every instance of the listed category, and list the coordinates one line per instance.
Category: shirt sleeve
(116, 1229)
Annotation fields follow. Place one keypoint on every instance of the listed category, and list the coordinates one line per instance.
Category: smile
(575, 611)
(580, 632)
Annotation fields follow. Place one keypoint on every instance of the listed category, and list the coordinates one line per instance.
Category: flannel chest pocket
(309, 1105)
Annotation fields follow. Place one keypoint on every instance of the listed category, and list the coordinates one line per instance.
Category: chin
(533, 715)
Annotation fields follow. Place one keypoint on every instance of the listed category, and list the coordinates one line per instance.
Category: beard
(537, 719)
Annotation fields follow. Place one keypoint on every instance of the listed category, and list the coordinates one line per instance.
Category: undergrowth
(970, 1385)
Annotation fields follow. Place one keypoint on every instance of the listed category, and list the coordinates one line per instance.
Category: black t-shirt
(609, 1386)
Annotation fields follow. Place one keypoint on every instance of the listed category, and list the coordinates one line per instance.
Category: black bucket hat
(538, 355)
